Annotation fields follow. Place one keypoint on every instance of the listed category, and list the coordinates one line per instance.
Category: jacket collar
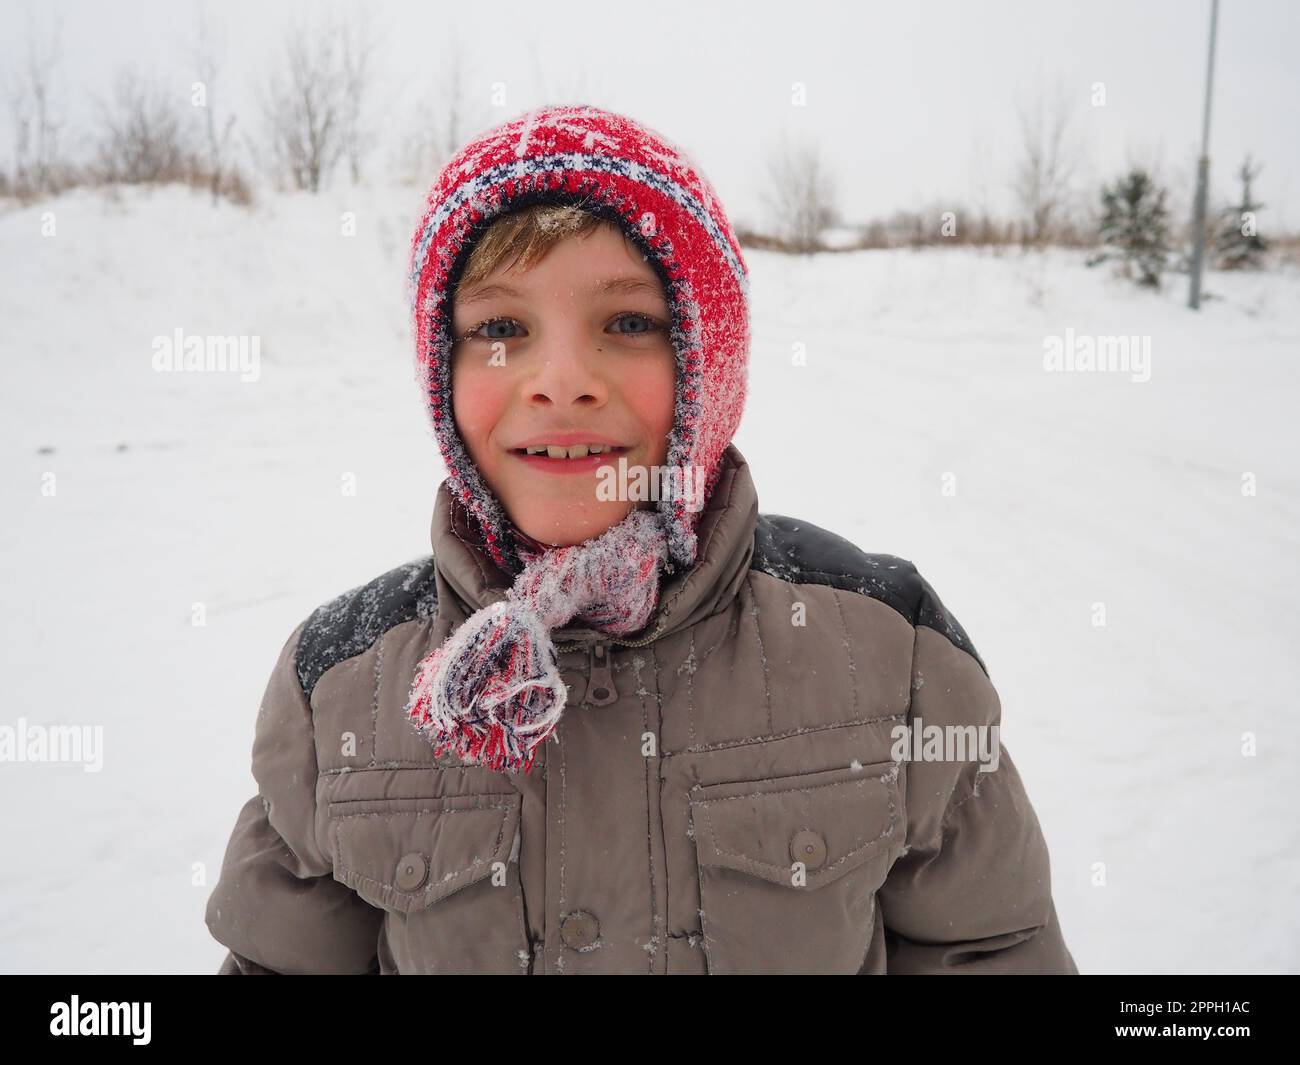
(468, 580)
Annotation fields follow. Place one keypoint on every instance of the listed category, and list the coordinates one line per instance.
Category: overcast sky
(913, 103)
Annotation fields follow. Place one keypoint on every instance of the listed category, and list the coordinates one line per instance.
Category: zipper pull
(600, 685)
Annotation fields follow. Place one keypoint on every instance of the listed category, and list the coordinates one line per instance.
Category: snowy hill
(924, 371)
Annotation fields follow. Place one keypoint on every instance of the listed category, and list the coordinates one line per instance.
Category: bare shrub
(206, 57)
(314, 109)
(800, 196)
(39, 167)
(142, 140)
(444, 119)
(1046, 167)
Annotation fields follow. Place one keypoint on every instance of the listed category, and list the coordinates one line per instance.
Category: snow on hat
(635, 178)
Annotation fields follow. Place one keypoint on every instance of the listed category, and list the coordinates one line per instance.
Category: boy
(619, 721)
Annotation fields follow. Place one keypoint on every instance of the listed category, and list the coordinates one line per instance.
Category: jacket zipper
(578, 645)
(601, 689)
(600, 678)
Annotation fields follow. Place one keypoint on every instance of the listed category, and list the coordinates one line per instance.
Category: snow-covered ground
(1171, 850)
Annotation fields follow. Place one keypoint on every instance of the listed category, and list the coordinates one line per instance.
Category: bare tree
(142, 139)
(315, 109)
(304, 109)
(1046, 167)
(980, 226)
(799, 195)
(450, 121)
(446, 116)
(357, 48)
(36, 129)
(206, 55)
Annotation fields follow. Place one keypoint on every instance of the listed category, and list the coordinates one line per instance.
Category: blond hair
(523, 237)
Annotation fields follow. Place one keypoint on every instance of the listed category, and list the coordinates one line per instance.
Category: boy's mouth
(568, 456)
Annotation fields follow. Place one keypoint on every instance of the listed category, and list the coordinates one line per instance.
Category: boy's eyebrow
(629, 284)
(613, 284)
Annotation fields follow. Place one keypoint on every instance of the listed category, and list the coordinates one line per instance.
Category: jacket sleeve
(972, 891)
(277, 907)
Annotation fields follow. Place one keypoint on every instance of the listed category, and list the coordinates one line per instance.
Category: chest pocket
(446, 872)
(789, 867)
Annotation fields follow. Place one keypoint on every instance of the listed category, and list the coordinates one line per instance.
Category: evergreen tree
(1238, 243)
(1135, 227)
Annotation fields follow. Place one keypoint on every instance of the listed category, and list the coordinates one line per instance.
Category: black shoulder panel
(351, 623)
(802, 553)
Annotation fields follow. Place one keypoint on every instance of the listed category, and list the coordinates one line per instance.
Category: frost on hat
(638, 180)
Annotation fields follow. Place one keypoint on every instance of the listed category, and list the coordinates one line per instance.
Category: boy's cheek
(651, 393)
(478, 404)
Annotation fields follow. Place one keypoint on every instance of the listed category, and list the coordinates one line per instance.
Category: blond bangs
(523, 237)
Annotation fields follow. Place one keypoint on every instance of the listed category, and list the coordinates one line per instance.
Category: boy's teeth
(577, 451)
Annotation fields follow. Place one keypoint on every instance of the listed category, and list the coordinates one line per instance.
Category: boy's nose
(566, 376)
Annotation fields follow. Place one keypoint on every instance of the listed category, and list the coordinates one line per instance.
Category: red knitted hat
(635, 178)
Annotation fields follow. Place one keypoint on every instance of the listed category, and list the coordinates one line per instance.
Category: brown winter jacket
(719, 796)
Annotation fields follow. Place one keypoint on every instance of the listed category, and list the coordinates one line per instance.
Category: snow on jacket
(721, 796)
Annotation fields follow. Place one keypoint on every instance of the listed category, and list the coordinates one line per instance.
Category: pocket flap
(406, 854)
(832, 821)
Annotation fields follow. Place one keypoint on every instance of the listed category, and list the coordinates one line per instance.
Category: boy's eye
(640, 323)
(497, 329)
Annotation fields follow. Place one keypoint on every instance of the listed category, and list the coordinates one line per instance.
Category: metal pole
(1203, 173)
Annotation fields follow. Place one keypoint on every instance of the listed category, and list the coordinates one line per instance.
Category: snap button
(579, 929)
(577, 685)
(412, 869)
(808, 847)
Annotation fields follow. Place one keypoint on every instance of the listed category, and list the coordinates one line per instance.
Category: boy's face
(573, 351)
